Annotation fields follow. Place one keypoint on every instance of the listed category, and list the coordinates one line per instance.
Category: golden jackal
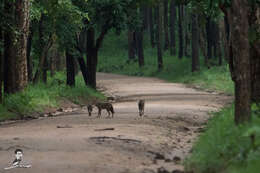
(107, 106)
(90, 109)
(141, 107)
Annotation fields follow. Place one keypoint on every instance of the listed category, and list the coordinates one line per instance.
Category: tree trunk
(187, 37)
(254, 20)
(209, 37)
(83, 69)
(16, 76)
(70, 64)
(1, 66)
(218, 45)
(140, 48)
(91, 58)
(172, 27)
(166, 25)
(151, 26)
(180, 32)
(159, 36)
(45, 68)
(240, 48)
(29, 59)
(145, 11)
(131, 45)
(42, 62)
(195, 43)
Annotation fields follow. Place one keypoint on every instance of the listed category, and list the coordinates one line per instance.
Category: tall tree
(180, 23)
(166, 24)
(159, 16)
(195, 43)
(16, 77)
(70, 64)
(1, 64)
(151, 26)
(173, 18)
(240, 49)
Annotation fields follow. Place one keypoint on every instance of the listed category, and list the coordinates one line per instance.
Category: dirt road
(174, 114)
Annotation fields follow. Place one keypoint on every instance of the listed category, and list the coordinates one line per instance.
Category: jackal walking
(107, 106)
(141, 107)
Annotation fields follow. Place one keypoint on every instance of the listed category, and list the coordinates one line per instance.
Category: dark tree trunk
(218, 45)
(42, 61)
(180, 20)
(145, 11)
(131, 45)
(195, 43)
(140, 48)
(1, 66)
(151, 26)
(209, 37)
(166, 24)
(254, 19)
(16, 71)
(187, 36)
(70, 64)
(159, 36)
(8, 48)
(91, 58)
(41, 72)
(29, 59)
(83, 68)
(45, 68)
(172, 28)
(240, 48)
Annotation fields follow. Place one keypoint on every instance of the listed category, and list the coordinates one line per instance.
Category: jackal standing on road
(141, 107)
(107, 106)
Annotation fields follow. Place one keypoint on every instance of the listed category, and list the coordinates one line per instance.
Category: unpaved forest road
(174, 115)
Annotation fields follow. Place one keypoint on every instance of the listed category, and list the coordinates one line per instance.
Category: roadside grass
(35, 98)
(225, 147)
(113, 58)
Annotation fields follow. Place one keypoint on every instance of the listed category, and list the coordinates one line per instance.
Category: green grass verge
(113, 59)
(225, 147)
(35, 98)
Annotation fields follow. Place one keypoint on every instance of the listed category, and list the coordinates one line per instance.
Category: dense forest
(42, 38)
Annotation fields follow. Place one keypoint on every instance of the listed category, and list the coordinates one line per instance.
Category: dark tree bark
(151, 26)
(172, 27)
(159, 36)
(91, 58)
(70, 64)
(218, 45)
(195, 43)
(240, 48)
(145, 14)
(83, 68)
(16, 77)
(166, 24)
(1, 66)
(41, 72)
(254, 20)
(187, 36)
(209, 37)
(140, 48)
(180, 20)
(131, 45)
(29, 59)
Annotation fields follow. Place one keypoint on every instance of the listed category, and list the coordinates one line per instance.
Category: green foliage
(37, 97)
(225, 147)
